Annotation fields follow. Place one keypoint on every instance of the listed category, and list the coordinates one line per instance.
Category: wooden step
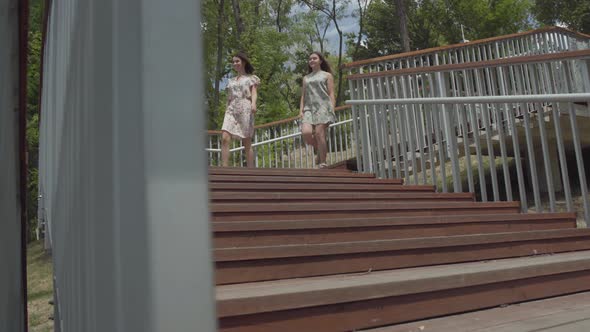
(356, 301)
(309, 187)
(270, 172)
(558, 314)
(302, 179)
(284, 232)
(236, 265)
(291, 210)
(273, 197)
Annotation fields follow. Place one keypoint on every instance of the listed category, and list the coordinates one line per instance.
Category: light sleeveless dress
(238, 119)
(317, 107)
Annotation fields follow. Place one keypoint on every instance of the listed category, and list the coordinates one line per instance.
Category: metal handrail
(570, 97)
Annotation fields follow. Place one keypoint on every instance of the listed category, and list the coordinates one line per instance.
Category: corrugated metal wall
(11, 315)
(123, 179)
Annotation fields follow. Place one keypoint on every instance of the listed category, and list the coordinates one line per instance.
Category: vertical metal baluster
(569, 67)
(471, 109)
(366, 136)
(255, 149)
(529, 141)
(429, 139)
(341, 133)
(269, 146)
(355, 126)
(437, 140)
(290, 147)
(375, 133)
(502, 138)
(488, 137)
(386, 143)
(211, 163)
(275, 145)
(419, 112)
(411, 133)
(300, 148)
(402, 131)
(410, 113)
(346, 130)
(462, 86)
(262, 148)
(510, 115)
(281, 143)
(559, 137)
(392, 130)
(329, 145)
(544, 145)
(451, 138)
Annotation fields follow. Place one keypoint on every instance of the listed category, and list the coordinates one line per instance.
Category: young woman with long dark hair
(241, 107)
(317, 105)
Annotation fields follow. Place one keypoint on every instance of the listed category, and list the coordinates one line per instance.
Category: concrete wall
(11, 305)
(122, 169)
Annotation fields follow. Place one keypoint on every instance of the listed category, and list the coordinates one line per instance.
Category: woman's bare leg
(247, 142)
(307, 133)
(225, 140)
(308, 137)
(320, 137)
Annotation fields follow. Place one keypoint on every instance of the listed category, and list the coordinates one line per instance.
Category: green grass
(40, 288)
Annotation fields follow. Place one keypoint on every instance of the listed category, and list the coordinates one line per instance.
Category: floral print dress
(239, 120)
(317, 106)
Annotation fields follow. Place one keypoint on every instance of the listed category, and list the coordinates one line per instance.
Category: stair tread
(278, 195)
(350, 206)
(244, 186)
(232, 226)
(287, 172)
(301, 179)
(562, 313)
(323, 249)
(249, 298)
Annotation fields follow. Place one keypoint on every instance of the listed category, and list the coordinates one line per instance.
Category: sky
(348, 24)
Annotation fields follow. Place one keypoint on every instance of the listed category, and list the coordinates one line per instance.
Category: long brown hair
(324, 65)
(248, 68)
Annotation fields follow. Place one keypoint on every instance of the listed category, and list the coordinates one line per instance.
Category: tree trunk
(320, 36)
(219, 64)
(238, 18)
(279, 16)
(340, 94)
(360, 36)
(340, 40)
(403, 24)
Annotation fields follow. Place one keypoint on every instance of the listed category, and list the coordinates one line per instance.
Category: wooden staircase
(330, 250)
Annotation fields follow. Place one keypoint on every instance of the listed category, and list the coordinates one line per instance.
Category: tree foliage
(32, 134)
(575, 14)
(433, 23)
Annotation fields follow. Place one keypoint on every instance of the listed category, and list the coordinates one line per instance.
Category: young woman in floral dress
(241, 107)
(317, 105)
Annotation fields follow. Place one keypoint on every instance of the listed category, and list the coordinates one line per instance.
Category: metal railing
(541, 41)
(280, 145)
(478, 126)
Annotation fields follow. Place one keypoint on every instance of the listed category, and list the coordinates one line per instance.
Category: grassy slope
(40, 288)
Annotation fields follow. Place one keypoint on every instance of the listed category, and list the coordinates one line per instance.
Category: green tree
(483, 18)
(575, 14)
(434, 23)
(33, 83)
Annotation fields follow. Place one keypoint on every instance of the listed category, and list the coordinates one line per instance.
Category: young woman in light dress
(238, 122)
(317, 105)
